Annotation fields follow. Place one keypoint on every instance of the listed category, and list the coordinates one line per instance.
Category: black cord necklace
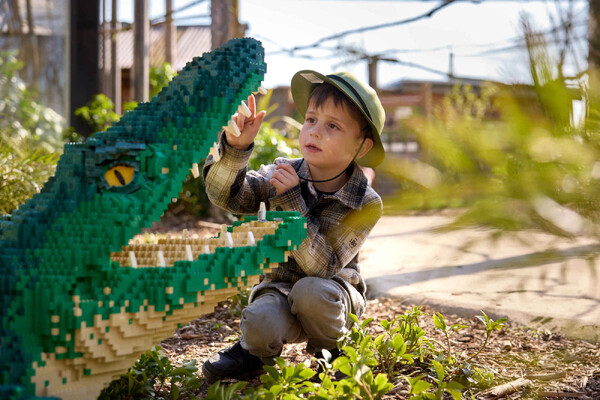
(335, 177)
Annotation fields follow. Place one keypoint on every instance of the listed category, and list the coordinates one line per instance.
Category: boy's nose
(315, 130)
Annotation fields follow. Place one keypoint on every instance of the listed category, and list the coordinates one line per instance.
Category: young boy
(308, 298)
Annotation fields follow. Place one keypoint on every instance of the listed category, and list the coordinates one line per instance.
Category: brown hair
(326, 91)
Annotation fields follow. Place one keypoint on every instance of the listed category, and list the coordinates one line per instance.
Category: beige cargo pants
(316, 310)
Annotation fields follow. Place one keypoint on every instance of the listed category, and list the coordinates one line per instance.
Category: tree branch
(428, 14)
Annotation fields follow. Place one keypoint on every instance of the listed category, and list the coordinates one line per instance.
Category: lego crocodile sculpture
(78, 305)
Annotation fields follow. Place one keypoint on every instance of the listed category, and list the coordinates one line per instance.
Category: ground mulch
(559, 368)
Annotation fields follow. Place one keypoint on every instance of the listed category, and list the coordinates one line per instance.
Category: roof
(192, 41)
(410, 86)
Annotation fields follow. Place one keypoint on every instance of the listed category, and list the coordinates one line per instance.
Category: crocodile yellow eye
(119, 175)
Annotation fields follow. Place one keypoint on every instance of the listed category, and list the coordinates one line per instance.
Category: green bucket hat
(363, 96)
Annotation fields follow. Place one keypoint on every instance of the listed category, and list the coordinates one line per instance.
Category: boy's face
(329, 139)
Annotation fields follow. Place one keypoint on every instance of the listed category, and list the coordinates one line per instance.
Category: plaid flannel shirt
(337, 224)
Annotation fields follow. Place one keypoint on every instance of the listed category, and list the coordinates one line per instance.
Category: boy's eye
(333, 126)
(310, 120)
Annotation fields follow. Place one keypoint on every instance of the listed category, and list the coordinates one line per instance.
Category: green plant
(403, 350)
(239, 301)
(217, 391)
(490, 327)
(401, 341)
(22, 176)
(510, 157)
(440, 323)
(153, 376)
(26, 126)
(98, 113)
(358, 365)
(160, 77)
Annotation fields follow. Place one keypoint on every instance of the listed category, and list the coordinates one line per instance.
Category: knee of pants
(313, 296)
(265, 325)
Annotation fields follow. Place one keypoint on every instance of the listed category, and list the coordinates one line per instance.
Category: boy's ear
(367, 145)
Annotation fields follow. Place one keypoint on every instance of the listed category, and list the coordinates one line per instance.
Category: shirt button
(278, 208)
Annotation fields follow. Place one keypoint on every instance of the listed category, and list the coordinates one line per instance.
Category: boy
(308, 298)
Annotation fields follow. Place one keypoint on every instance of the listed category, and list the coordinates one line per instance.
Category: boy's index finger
(252, 105)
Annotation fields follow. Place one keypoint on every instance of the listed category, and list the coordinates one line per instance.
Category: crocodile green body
(70, 316)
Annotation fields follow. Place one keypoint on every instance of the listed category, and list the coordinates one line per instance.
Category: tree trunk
(141, 51)
(170, 35)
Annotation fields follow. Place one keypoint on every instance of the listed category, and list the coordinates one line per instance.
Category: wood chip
(547, 377)
(190, 336)
(562, 395)
(507, 388)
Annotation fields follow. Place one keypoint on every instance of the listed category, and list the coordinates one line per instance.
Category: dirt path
(534, 279)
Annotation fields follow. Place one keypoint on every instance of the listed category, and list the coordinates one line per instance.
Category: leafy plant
(22, 176)
(401, 341)
(239, 301)
(98, 113)
(160, 77)
(403, 350)
(153, 376)
(26, 126)
(533, 167)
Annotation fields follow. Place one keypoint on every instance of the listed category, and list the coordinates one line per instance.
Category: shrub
(25, 124)
(30, 137)
(98, 113)
(535, 167)
(153, 376)
(21, 178)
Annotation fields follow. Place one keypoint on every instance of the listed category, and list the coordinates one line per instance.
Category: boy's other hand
(248, 126)
(350, 275)
(284, 178)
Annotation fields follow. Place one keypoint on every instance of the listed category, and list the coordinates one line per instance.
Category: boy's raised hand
(284, 178)
(248, 126)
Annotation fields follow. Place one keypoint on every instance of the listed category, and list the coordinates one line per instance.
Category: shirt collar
(351, 194)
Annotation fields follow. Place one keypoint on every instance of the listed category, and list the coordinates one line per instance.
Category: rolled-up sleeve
(230, 186)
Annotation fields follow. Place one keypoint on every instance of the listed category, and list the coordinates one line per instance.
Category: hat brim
(302, 86)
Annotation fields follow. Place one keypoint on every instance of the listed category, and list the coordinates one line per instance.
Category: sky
(483, 36)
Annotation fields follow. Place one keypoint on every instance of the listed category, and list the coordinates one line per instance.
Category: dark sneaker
(234, 362)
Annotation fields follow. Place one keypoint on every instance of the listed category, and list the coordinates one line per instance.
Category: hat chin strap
(338, 175)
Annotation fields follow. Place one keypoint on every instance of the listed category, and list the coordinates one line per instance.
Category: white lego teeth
(244, 110)
(161, 258)
(233, 128)
(251, 240)
(261, 90)
(188, 252)
(195, 171)
(214, 151)
(133, 260)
